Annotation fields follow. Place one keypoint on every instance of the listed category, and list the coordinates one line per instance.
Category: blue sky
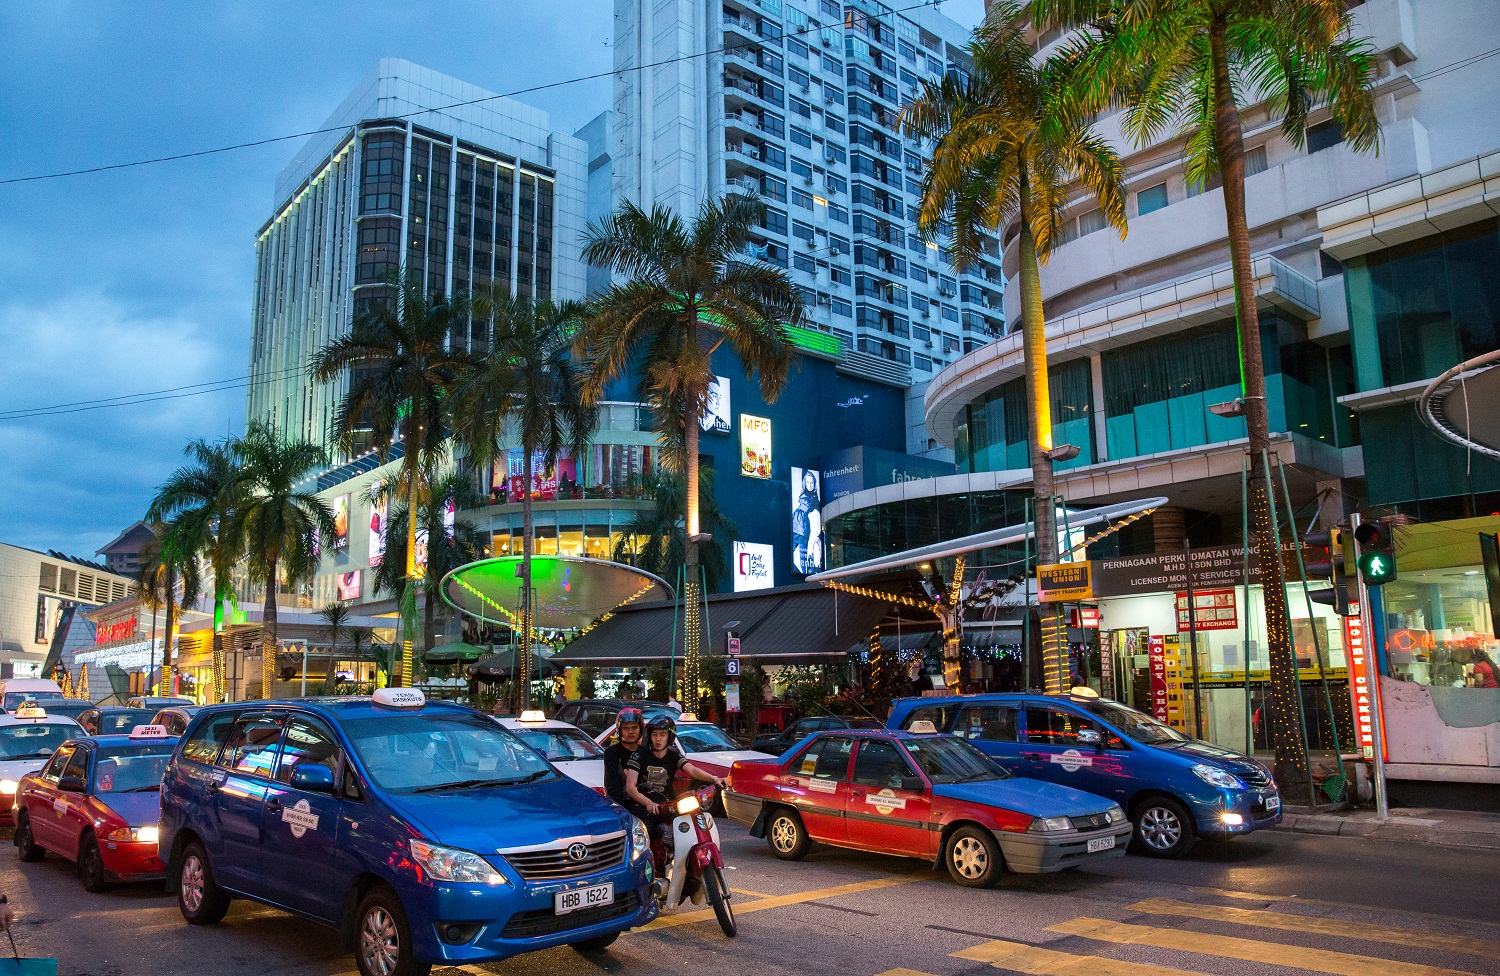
(140, 279)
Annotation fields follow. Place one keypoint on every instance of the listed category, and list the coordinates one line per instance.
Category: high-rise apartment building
(799, 102)
(425, 174)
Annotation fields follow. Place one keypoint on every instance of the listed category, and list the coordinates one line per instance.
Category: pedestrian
(672, 702)
(1482, 672)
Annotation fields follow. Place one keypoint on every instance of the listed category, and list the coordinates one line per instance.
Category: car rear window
(204, 744)
(826, 758)
(938, 715)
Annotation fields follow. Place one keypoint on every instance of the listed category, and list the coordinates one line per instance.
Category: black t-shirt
(615, 758)
(656, 773)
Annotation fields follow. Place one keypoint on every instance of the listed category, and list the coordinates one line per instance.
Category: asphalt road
(1268, 904)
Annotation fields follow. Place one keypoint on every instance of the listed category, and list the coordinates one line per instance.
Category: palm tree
(661, 527)
(401, 371)
(686, 289)
(279, 522)
(200, 497)
(527, 384)
(168, 577)
(1181, 68)
(1010, 144)
(336, 615)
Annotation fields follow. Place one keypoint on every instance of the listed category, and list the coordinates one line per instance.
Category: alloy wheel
(378, 943)
(1160, 828)
(970, 859)
(192, 883)
(783, 834)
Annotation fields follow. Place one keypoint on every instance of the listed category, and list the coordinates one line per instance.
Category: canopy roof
(571, 591)
(453, 651)
(1463, 404)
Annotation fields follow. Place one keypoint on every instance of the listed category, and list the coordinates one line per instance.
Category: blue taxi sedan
(423, 831)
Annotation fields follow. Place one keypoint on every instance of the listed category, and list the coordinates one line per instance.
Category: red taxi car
(97, 802)
(921, 795)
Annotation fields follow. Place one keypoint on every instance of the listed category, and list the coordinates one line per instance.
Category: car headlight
(8, 787)
(1047, 825)
(134, 835)
(640, 840)
(1115, 815)
(1214, 776)
(451, 864)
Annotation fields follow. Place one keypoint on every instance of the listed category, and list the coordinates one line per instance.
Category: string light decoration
(83, 682)
(218, 690)
(64, 681)
(1054, 655)
(1068, 556)
(267, 672)
(865, 591)
(691, 641)
(951, 614)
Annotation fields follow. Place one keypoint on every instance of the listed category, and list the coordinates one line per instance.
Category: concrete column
(1168, 528)
(1101, 435)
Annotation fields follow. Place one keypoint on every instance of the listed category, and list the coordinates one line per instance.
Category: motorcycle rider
(629, 728)
(649, 777)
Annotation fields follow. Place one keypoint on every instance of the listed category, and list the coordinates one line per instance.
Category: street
(1270, 903)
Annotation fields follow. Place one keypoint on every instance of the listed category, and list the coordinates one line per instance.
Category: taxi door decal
(885, 801)
(300, 818)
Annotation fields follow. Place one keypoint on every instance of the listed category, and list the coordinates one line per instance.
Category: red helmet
(630, 714)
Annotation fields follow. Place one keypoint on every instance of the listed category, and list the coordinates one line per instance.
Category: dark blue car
(1175, 788)
(423, 831)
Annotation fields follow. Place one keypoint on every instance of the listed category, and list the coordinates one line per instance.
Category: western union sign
(1064, 581)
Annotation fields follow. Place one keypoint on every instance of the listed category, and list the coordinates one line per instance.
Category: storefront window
(1440, 629)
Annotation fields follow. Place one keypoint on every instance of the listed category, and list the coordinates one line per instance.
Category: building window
(1324, 135)
(801, 199)
(801, 138)
(1255, 161)
(838, 213)
(1151, 199)
(842, 307)
(801, 168)
(802, 231)
(796, 76)
(799, 107)
(836, 184)
(794, 46)
(775, 221)
(805, 264)
(773, 188)
(922, 363)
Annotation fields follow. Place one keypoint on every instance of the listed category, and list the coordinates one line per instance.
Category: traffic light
(1334, 569)
(1377, 553)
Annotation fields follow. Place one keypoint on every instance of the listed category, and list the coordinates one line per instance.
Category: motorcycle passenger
(629, 727)
(649, 778)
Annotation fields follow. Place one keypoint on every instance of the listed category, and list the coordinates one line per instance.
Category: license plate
(1273, 803)
(571, 901)
(1101, 844)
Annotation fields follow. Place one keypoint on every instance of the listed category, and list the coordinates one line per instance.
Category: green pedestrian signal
(1377, 553)
(1376, 568)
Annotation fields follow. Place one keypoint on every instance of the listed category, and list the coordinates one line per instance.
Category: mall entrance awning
(799, 624)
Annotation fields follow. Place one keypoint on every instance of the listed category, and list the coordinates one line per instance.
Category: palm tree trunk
(692, 597)
(521, 665)
(331, 674)
(166, 650)
(218, 638)
(268, 627)
(1039, 400)
(409, 591)
(1285, 714)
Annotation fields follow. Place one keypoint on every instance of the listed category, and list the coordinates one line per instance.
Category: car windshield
(132, 769)
(437, 751)
(71, 709)
(945, 759)
(1135, 725)
(34, 741)
(705, 738)
(13, 699)
(560, 745)
(123, 721)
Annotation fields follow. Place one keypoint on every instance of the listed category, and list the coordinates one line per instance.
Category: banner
(1158, 665)
(1361, 683)
(1064, 581)
(755, 446)
(340, 538)
(716, 415)
(1212, 610)
(807, 521)
(377, 529)
(753, 563)
(1212, 568)
(349, 585)
(732, 696)
(547, 483)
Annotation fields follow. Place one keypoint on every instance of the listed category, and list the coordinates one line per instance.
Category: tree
(201, 498)
(1011, 140)
(685, 290)
(526, 385)
(665, 541)
(336, 615)
(169, 566)
(279, 521)
(1182, 68)
(401, 372)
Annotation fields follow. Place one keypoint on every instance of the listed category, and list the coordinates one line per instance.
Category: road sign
(732, 696)
(732, 668)
(733, 646)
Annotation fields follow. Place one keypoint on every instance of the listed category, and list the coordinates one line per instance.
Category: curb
(1441, 836)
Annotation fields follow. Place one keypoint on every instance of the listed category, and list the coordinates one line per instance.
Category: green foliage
(665, 545)
(659, 681)
(279, 521)
(808, 687)
(588, 682)
(486, 696)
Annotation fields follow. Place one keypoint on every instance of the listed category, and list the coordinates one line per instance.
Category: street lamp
(1063, 452)
(1228, 409)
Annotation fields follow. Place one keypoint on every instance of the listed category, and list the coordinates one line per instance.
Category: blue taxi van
(1173, 787)
(423, 831)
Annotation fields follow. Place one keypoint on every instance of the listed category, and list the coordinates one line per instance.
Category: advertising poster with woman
(807, 521)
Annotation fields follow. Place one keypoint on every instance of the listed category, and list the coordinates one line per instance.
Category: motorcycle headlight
(1115, 815)
(640, 840)
(8, 787)
(1047, 825)
(134, 835)
(451, 864)
(688, 804)
(1214, 776)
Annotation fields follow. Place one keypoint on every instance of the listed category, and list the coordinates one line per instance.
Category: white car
(28, 738)
(567, 747)
(704, 744)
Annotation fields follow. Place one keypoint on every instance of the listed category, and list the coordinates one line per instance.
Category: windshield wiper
(528, 778)
(462, 784)
(150, 787)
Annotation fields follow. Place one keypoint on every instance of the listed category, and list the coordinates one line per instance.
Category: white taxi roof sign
(149, 732)
(31, 710)
(1083, 691)
(399, 697)
(922, 727)
(533, 715)
(688, 717)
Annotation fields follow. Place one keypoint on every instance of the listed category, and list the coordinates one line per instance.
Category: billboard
(716, 415)
(807, 521)
(340, 538)
(755, 446)
(753, 566)
(858, 468)
(377, 527)
(349, 585)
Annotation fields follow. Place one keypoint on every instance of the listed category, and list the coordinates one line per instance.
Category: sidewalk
(1449, 828)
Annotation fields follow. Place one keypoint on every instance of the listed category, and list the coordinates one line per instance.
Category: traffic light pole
(1372, 605)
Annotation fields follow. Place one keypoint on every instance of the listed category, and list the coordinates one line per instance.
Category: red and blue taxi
(921, 794)
(28, 738)
(97, 803)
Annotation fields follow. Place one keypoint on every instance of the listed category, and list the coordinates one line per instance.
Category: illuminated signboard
(349, 585)
(753, 566)
(1064, 581)
(807, 521)
(716, 415)
(340, 538)
(755, 446)
(377, 528)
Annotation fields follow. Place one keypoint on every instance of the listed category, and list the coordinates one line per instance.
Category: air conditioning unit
(824, 300)
(827, 41)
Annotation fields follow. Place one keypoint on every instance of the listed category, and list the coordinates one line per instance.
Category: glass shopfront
(1440, 629)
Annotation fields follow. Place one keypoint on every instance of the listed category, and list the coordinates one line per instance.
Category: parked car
(175, 719)
(567, 747)
(422, 831)
(15, 691)
(68, 707)
(28, 738)
(154, 702)
(1175, 788)
(776, 743)
(114, 720)
(596, 715)
(920, 794)
(96, 803)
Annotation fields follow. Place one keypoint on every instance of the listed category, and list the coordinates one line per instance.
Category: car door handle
(273, 804)
(856, 793)
(1031, 755)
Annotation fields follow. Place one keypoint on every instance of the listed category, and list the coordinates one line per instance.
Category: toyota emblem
(578, 851)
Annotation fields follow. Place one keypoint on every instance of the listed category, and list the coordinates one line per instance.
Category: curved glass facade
(881, 530)
(993, 432)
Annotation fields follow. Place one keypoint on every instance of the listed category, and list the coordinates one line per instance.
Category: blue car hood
(484, 821)
(1029, 796)
(1199, 751)
(137, 809)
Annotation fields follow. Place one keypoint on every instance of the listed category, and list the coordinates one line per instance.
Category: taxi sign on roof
(149, 732)
(922, 727)
(31, 710)
(399, 697)
(533, 715)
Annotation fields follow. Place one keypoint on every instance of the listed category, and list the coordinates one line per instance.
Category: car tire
(91, 866)
(382, 937)
(26, 845)
(1163, 828)
(597, 944)
(973, 858)
(199, 897)
(786, 835)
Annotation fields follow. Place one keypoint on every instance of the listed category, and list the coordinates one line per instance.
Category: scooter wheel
(718, 896)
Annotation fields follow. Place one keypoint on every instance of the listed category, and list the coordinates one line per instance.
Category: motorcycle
(695, 857)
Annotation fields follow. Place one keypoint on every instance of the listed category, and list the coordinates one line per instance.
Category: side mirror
(71, 784)
(913, 784)
(1090, 737)
(313, 779)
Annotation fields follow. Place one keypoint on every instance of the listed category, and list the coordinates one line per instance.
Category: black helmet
(661, 722)
(629, 714)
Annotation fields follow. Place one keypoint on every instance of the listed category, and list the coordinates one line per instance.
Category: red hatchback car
(97, 802)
